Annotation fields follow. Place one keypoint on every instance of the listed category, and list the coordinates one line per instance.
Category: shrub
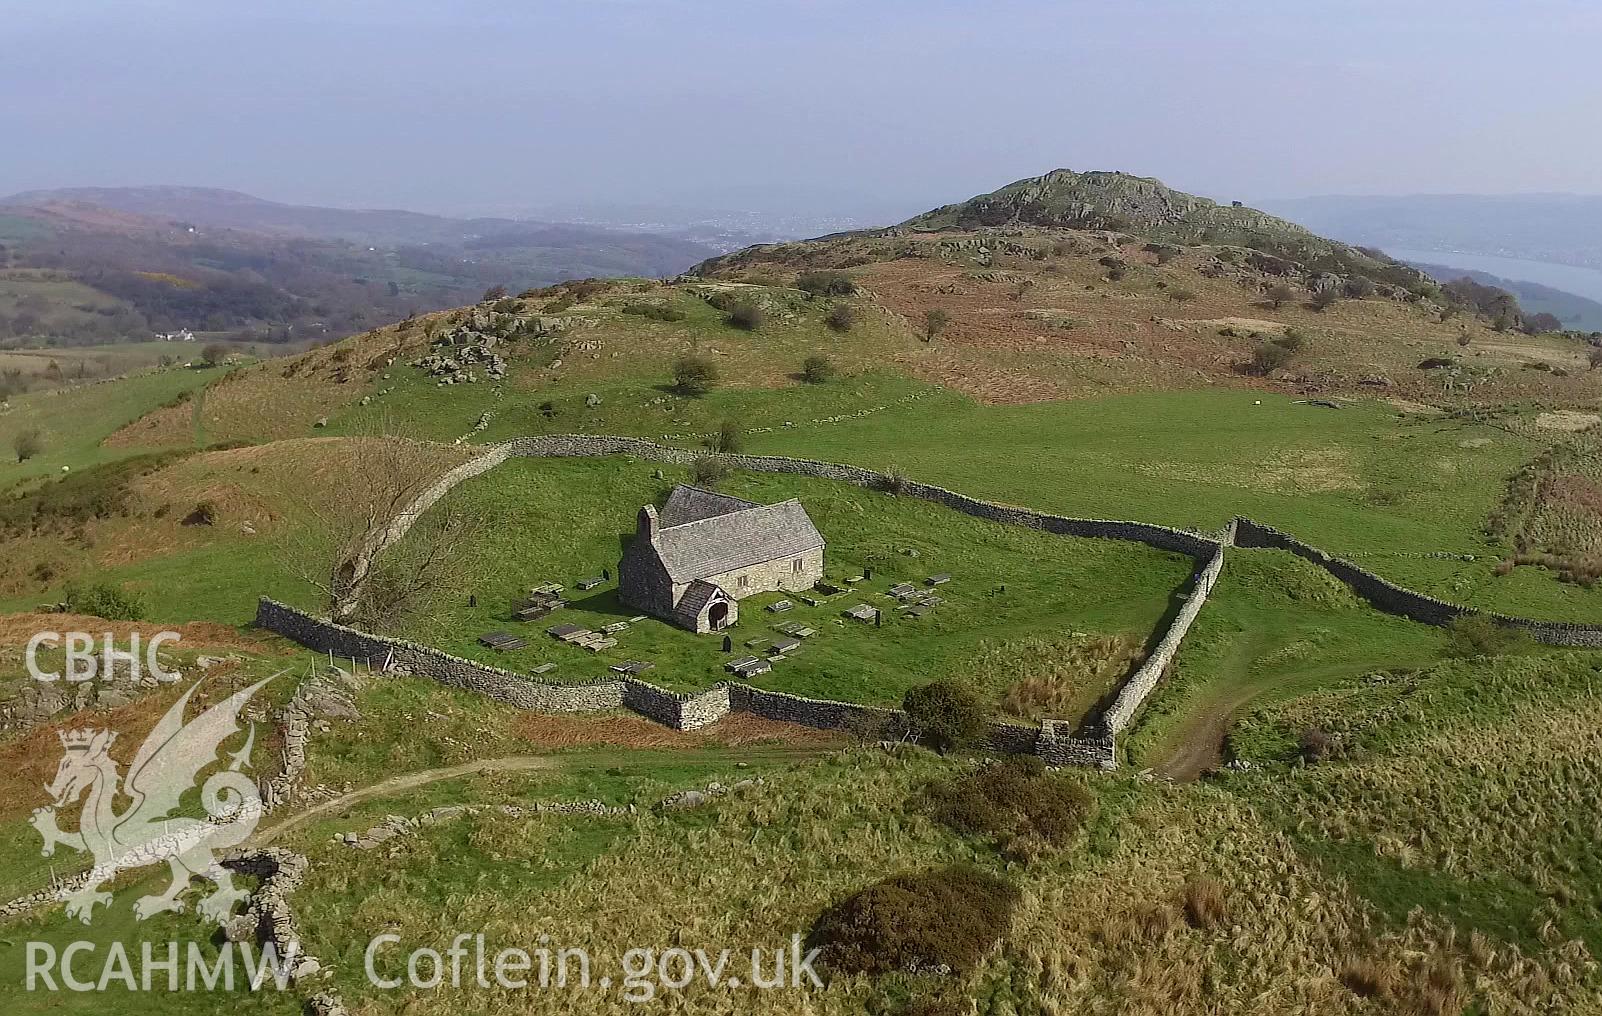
(1360, 287)
(27, 444)
(947, 714)
(842, 317)
(894, 482)
(826, 284)
(935, 321)
(1596, 358)
(1477, 635)
(1206, 905)
(946, 917)
(204, 514)
(1018, 803)
(214, 353)
(548, 410)
(493, 294)
(98, 492)
(817, 369)
(1280, 294)
(1325, 299)
(747, 316)
(654, 311)
(727, 438)
(1117, 272)
(1294, 340)
(106, 601)
(1269, 357)
(1315, 744)
(1181, 295)
(694, 375)
(708, 471)
(1463, 341)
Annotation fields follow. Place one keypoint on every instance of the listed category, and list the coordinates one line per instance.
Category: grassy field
(1274, 627)
(1338, 870)
(74, 422)
(569, 518)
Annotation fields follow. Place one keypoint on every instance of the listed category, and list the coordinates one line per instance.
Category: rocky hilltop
(1146, 207)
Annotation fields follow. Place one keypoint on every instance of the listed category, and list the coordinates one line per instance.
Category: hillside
(97, 265)
(1019, 427)
(1573, 310)
(1145, 207)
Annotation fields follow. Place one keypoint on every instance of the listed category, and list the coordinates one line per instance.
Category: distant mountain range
(1560, 228)
(87, 265)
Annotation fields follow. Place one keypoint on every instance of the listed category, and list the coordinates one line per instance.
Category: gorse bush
(1360, 287)
(727, 438)
(841, 317)
(104, 600)
(817, 369)
(1017, 803)
(1269, 357)
(824, 283)
(947, 917)
(694, 375)
(1478, 635)
(100, 492)
(708, 471)
(654, 311)
(747, 316)
(1293, 339)
(947, 714)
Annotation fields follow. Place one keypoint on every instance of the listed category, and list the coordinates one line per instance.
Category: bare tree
(1280, 294)
(372, 542)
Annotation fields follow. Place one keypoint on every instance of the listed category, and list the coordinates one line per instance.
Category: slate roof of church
(715, 533)
(692, 504)
(696, 598)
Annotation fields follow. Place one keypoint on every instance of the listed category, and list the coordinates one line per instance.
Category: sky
(861, 107)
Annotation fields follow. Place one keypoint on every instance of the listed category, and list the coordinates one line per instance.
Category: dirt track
(395, 784)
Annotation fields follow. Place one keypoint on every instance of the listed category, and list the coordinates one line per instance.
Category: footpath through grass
(1274, 627)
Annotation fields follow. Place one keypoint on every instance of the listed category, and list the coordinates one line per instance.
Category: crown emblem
(80, 740)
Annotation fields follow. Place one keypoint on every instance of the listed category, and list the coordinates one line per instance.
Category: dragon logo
(146, 831)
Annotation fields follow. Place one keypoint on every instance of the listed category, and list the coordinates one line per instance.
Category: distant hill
(1561, 228)
(103, 264)
(1146, 207)
(1575, 311)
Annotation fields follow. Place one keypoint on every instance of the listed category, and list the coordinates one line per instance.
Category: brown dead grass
(28, 761)
(17, 629)
(166, 427)
(1567, 420)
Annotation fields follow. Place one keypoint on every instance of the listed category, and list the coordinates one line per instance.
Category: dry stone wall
(400, 656)
(1141, 683)
(677, 710)
(1393, 599)
(588, 446)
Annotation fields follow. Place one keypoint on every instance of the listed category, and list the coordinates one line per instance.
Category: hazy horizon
(869, 110)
